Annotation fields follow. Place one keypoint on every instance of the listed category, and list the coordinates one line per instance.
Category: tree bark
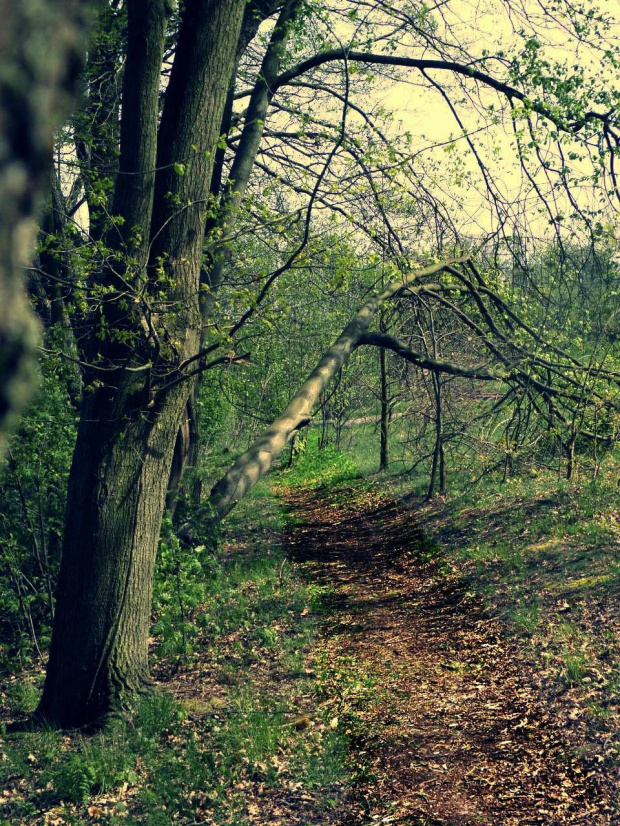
(128, 427)
(383, 423)
(438, 465)
(41, 44)
(249, 143)
(116, 496)
(228, 201)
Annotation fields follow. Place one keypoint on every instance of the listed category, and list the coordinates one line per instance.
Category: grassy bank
(254, 717)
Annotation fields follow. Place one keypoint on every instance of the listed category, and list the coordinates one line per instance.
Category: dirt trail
(462, 731)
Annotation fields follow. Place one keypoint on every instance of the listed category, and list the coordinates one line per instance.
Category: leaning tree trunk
(258, 459)
(126, 437)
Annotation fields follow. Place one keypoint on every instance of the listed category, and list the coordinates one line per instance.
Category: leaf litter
(466, 722)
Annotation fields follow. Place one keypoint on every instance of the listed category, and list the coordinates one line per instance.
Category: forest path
(455, 728)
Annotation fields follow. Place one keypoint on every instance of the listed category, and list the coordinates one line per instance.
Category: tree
(535, 371)
(126, 436)
(168, 215)
(41, 44)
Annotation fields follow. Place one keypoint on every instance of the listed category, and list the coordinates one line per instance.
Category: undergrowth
(252, 713)
(540, 551)
(233, 631)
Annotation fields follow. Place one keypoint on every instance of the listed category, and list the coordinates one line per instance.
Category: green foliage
(288, 333)
(180, 588)
(196, 593)
(206, 602)
(316, 468)
(525, 616)
(575, 667)
(74, 780)
(21, 697)
(33, 479)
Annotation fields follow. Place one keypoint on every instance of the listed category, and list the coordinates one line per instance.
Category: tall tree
(122, 459)
(41, 45)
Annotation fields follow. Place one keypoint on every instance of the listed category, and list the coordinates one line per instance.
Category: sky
(491, 27)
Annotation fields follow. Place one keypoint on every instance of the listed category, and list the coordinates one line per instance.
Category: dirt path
(460, 730)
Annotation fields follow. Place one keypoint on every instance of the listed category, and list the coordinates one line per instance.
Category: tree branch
(258, 459)
(426, 363)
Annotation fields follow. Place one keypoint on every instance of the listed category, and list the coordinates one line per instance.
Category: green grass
(207, 753)
(525, 616)
(231, 617)
(319, 468)
(535, 548)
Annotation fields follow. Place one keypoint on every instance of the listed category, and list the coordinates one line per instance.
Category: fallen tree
(258, 459)
(568, 384)
(260, 456)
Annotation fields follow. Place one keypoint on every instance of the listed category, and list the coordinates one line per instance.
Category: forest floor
(454, 720)
(351, 656)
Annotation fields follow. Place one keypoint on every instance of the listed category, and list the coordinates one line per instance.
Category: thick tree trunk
(115, 505)
(40, 47)
(128, 427)
(221, 223)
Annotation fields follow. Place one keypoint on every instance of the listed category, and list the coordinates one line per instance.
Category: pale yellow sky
(488, 26)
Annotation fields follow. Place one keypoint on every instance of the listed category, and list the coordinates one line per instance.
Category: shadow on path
(460, 730)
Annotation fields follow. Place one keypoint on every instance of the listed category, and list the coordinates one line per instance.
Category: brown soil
(464, 727)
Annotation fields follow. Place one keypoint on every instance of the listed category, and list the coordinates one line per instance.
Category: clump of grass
(22, 697)
(316, 468)
(526, 617)
(575, 667)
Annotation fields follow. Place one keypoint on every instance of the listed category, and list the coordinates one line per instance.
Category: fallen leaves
(504, 748)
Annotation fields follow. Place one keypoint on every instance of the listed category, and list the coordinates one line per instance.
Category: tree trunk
(115, 503)
(40, 48)
(128, 427)
(438, 467)
(571, 463)
(383, 456)
(228, 199)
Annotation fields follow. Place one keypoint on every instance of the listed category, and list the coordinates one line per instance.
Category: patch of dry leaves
(469, 726)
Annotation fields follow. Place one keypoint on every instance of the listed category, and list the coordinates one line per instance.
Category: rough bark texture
(115, 505)
(251, 137)
(128, 428)
(228, 200)
(40, 46)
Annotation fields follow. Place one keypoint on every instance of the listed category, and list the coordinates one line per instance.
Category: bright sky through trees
(445, 115)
